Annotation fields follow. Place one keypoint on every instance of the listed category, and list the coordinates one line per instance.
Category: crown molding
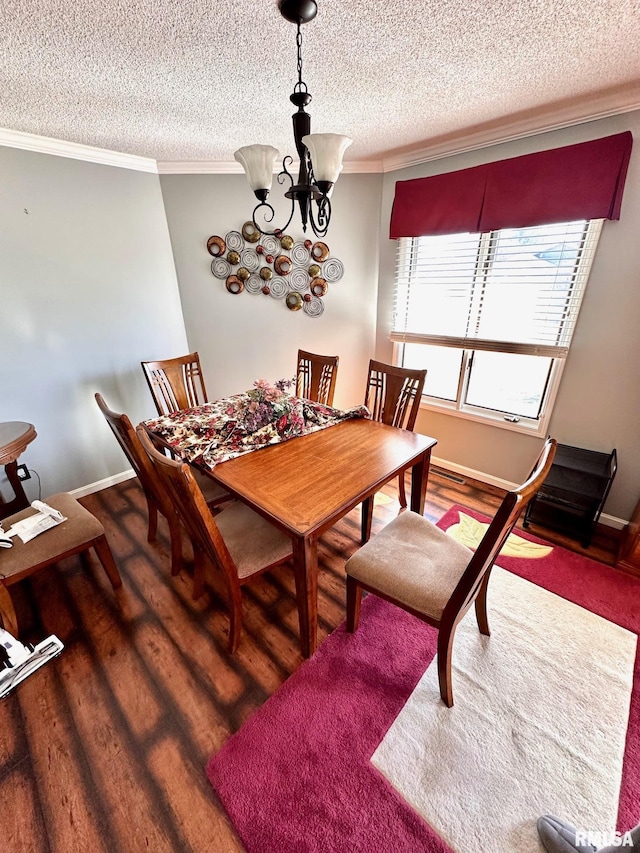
(223, 167)
(623, 99)
(567, 113)
(60, 148)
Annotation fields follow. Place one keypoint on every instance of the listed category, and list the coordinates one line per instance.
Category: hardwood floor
(104, 748)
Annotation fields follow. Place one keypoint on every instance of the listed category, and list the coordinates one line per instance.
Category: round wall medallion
(333, 269)
(250, 260)
(300, 253)
(250, 232)
(234, 284)
(318, 286)
(283, 265)
(294, 301)
(233, 257)
(216, 246)
(278, 287)
(314, 307)
(319, 251)
(254, 283)
(235, 241)
(221, 267)
(271, 245)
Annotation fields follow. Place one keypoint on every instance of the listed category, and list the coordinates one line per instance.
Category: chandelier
(320, 153)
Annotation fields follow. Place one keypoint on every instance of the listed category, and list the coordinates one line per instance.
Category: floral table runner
(264, 415)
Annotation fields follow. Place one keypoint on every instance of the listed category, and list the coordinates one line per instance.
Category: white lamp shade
(327, 151)
(257, 162)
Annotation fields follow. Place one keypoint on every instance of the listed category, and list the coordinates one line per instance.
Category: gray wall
(88, 290)
(598, 404)
(244, 337)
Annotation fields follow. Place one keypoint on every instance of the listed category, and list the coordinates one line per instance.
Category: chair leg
(402, 494)
(354, 600)
(106, 558)
(175, 533)
(198, 573)
(445, 649)
(7, 611)
(153, 520)
(481, 607)
(235, 618)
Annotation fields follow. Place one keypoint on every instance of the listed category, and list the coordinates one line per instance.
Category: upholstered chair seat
(81, 531)
(413, 562)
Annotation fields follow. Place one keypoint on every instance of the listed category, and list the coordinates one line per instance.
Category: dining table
(305, 484)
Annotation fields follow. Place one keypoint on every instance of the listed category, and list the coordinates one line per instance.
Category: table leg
(419, 478)
(20, 501)
(366, 519)
(305, 565)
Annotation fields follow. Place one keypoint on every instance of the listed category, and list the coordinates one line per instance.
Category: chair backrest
(126, 436)
(176, 383)
(393, 394)
(491, 544)
(189, 503)
(316, 377)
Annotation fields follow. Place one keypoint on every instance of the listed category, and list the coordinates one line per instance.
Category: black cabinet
(571, 498)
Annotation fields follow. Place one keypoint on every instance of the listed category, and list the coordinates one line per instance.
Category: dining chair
(420, 568)
(176, 383)
(316, 377)
(393, 397)
(238, 542)
(155, 494)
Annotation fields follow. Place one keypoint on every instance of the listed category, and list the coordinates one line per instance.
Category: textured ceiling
(181, 81)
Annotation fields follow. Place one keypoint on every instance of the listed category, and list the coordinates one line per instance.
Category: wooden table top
(304, 484)
(14, 437)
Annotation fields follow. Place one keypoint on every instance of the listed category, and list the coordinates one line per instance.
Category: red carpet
(297, 777)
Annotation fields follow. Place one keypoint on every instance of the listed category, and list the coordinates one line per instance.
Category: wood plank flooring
(104, 749)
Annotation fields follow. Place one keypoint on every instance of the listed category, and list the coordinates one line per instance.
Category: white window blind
(514, 290)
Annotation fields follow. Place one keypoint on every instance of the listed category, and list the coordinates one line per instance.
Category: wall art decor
(297, 272)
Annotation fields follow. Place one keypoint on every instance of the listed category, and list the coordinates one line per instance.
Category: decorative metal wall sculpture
(298, 272)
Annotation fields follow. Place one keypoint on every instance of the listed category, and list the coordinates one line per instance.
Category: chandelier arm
(285, 173)
(268, 214)
(320, 226)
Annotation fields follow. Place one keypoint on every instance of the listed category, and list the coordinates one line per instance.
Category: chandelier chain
(301, 85)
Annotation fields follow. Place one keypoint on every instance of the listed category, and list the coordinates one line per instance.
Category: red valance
(583, 181)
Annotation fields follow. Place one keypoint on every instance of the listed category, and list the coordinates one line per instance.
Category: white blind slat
(515, 290)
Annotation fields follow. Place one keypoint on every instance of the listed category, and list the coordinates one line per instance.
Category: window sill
(524, 427)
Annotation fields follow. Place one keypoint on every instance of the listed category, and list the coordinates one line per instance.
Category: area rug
(299, 775)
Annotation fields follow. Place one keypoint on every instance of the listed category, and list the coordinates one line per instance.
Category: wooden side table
(14, 437)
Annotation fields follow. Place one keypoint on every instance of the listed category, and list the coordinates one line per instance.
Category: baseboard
(607, 520)
(103, 484)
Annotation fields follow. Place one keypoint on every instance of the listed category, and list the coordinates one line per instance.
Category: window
(491, 317)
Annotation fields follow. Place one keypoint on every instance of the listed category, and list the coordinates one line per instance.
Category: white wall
(88, 290)
(244, 337)
(598, 405)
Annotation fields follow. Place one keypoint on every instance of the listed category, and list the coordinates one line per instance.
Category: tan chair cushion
(81, 528)
(412, 561)
(252, 542)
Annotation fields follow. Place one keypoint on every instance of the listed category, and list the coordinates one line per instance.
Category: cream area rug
(538, 726)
